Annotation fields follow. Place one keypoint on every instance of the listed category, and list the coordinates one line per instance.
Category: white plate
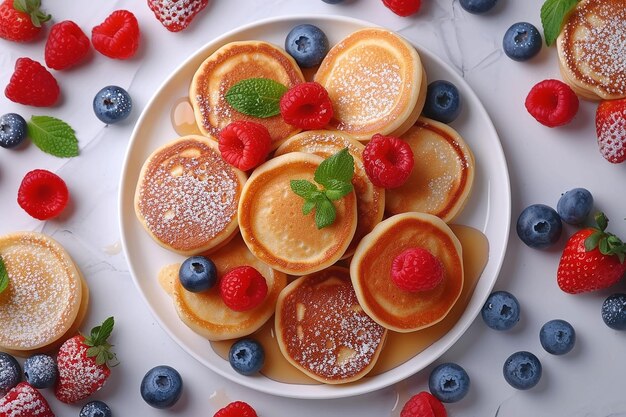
(489, 208)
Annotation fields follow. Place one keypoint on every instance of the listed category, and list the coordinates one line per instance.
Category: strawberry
(176, 15)
(403, 7)
(592, 259)
(66, 46)
(611, 130)
(24, 401)
(20, 20)
(82, 362)
(32, 84)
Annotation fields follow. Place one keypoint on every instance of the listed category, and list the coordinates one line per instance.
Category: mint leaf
(4, 276)
(339, 166)
(553, 14)
(53, 136)
(304, 189)
(324, 213)
(337, 189)
(258, 97)
(308, 207)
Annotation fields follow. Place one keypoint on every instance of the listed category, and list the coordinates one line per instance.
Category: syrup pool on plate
(183, 118)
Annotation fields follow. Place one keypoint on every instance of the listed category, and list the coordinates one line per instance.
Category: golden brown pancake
(322, 330)
(187, 196)
(234, 62)
(370, 271)
(443, 174)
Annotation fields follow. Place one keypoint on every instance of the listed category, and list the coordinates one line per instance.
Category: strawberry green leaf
(592, 241)
(324, 213)
(53, 136)
(339, 166)
(337, 189)
(603, 247)
(4, 276)
(553, 13)
(258, 97)
(601, 220)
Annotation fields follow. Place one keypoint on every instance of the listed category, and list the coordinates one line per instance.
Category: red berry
(66, 46)
(307, 106)
(416, 269)
(244, 144)
(423, 405)
(388, 161)
(21, 25)
(32, 84)
(611, 130)
(236, 409)
(552, 102)
(403, 7)
(176, 15)
(42, 194)
(118, 36)
(243, 288)
(24, 401)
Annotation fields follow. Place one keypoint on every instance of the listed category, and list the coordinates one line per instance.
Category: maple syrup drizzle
(183, 118)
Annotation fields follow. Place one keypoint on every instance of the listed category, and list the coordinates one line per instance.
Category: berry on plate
(575, 205)
(552, 102)
(66, 46)
(307, 106)
(539, 226)
(501, 311)
(416, 269)
(197, 274)
(176, 15)
(112, 104)
(423, 404)
(40, 371)
(20, 21)
(449, 382)
(614, 311)
(10, 372)
(118, 36)
(443, 102)
(42, 194)
(12, 130)
(592, 259)
(32, 84)
(243, 288)
(611, 130)
(522, 370)
(24, 401)
(521, 41)
(388, 161)
(246, 356)
(95, 409)
(236, 409)
(557, 337)
(403, 7)
(244, 144)
(478, 6)
(307, 44)
(332, 1)
(161, 387)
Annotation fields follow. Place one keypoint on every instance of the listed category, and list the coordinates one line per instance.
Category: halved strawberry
(611, 130)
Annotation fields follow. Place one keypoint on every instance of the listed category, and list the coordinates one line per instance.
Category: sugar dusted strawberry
(244, 144)
(66, 46)
(611, 130)
(423, 404)
(176, 15)
(21, 20)
(403, 7)
(24, 401)
(118, 36)
(236, 409)
(83, 364)
(32, 84)
(243, 288)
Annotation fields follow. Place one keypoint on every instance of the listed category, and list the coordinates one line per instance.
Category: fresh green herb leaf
(325, 214)
(258, 97)
(308, 207)
(553, 13)
(337, 189)
(339, 166)
(304, 188)
(4, 276)
(53, 136)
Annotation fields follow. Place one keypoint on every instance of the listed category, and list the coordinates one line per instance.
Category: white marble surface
(542, 163)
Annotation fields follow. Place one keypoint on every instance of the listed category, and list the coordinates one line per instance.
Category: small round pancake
(592, 49)
(206, 314)
(234, 62)
(370, 271)
(322, 330)
(443, 174)
(370, 199)
(43, 298)
(187, 196)
(276, 230)
(376, 82)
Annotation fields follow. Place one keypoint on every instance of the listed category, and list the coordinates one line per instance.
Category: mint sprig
(53, 136)
(4, 276)
(334, 174)
(553, 14)
(258, 97)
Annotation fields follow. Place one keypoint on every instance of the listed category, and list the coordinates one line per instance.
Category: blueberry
(575, 205)
(522, 41)
(246, 356)
(557, 337)
(443, 102)
(95, 409)
(12, 130)
(501, 311)
(614, 311)
(307, 44)
(449, 382)
(478, 6)
(522, 370)
(161, 387)
(197, 274)
(539, 226)
(332, 1)
(112, 104)
(40, 371)
(10, 373)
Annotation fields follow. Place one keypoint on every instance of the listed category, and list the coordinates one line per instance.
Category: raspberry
(66, 46)
(611, 130)
(42, 194)
(244, 144)
(552, 103)
(423, 405)
(236, 409)
(307, 106)
(403, 7)
(118, 36)
(416, 269)
(32, 84)
(388, 161)
(243, 288)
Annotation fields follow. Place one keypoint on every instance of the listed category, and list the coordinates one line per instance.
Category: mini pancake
(370, 199)
(206, 314)
(234, 62)
(376, 82)
(274, 227)
(44, 297)
(322, 330)
(592, 49)
(187, 196)
(370, 271)
(443, 174)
